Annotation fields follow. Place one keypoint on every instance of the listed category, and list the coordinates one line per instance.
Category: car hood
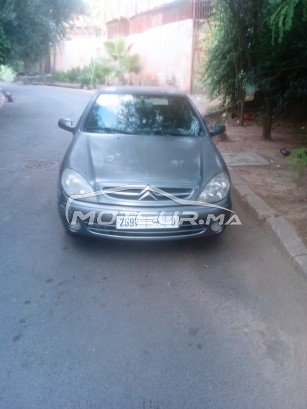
(143, 159)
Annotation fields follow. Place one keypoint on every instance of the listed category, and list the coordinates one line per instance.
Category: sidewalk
(264, 184)
(2, 98)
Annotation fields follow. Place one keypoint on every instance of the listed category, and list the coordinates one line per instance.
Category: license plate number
(134, 222)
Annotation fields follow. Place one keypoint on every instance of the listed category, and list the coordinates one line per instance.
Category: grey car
(142, 165)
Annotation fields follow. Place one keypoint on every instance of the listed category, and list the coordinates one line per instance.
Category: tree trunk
(267, 121)
(241, 112)
(241, 100)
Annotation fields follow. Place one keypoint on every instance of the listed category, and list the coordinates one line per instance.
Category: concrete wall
(166, 54)
(76, 52)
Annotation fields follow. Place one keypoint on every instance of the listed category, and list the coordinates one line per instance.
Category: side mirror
(66, 124)
(217, 129)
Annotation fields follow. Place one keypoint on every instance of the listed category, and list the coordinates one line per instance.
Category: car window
(142, 114)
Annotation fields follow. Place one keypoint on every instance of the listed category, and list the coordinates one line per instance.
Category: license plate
(134, 222)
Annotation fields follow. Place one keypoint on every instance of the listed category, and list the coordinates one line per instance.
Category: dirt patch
(277, 183)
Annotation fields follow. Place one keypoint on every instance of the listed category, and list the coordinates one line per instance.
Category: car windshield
(142, 114)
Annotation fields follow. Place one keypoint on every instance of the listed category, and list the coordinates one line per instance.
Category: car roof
(141, 90)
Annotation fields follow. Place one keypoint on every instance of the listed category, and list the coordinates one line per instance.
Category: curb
(2, 99)
(48, 83)
(283, 234)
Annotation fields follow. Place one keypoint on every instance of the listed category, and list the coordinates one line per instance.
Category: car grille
(185, 230)
(147, 194)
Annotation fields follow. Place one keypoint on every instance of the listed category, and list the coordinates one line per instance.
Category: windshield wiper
(106, 130)
(168, 132)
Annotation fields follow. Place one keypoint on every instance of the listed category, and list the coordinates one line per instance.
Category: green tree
(282, 67)
(232, 51)
(282, 17)
(242, 51)
(5, 47)
(32, 26)
(5, 44)
(123, 63)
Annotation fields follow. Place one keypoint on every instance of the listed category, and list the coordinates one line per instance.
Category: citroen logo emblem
(147, 194)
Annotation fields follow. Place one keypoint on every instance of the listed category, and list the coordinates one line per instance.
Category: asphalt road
(216, 324)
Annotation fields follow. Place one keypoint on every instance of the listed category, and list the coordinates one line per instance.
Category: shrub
(298, 160)
(90, 76)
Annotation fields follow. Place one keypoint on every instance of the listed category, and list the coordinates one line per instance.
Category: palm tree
(123, 63)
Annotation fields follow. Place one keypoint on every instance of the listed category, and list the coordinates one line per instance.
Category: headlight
(75, 184)
(216, 189)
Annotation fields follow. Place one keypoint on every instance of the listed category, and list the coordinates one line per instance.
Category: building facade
(167, 41)
(166, 38)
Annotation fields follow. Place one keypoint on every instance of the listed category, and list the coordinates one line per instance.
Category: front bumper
(99, 220)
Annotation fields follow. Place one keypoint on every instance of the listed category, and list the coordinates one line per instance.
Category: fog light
(75, 227)
(216, 227)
